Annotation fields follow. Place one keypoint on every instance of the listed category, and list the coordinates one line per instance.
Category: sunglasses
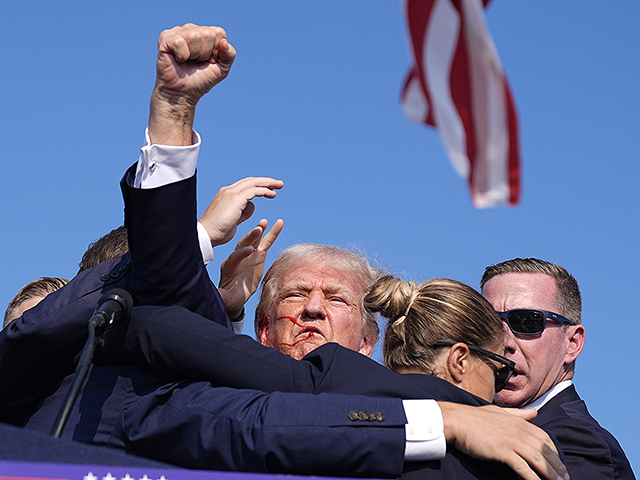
(526, 321)
(502, 375)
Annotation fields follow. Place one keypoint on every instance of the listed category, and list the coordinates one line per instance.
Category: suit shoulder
(590, 450)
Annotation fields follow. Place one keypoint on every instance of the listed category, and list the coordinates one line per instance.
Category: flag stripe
(457, 84)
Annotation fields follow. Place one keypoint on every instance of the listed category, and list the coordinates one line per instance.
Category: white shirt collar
(540, 402)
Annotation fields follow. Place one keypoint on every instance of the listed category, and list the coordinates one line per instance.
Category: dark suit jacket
(590, 450)
(200, 424)
(164, 267)
(155, 337)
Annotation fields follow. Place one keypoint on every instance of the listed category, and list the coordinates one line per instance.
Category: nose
(314, 308)
(509, 340)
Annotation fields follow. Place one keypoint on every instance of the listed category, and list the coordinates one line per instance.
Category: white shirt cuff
(205, 244)
(424, 431)
(160, 165)
(239, 325)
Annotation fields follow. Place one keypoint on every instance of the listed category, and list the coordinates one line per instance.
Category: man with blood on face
(312, 295)
(541, 308)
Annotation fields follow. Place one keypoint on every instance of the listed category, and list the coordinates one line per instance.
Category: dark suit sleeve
(590, 451)
(227, 429)
(164, 267)
(38, 349)
(586, 453)
(186, 345)
(163, 240)
(196, 425)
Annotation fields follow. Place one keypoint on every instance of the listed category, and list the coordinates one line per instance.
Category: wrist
(449, 416)
(236, 315)
(171, 119)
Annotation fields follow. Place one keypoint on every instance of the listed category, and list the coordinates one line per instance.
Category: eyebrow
(328, 289)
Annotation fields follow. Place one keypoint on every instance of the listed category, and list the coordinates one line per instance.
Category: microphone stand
(98, 323)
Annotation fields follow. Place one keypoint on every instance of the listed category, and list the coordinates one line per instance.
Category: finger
(209, 38)
(554, 464)
(247, 212)
(543, 460)
(252, 237)
(522, 469)
(236, 257)
(193, 37)
(252, 182)
(272, 235)
(174, 44)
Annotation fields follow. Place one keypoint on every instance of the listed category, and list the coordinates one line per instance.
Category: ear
(575, 343)
(263, 329)
(458, 362)
(366, 348)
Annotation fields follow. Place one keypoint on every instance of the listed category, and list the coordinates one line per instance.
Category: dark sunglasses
(526, 321)
(502, 375)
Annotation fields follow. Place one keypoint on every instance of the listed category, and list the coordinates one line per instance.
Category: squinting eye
(338, 300)
(292, 295)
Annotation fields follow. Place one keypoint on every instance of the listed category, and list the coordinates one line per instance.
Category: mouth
(307, 333)
(310, 331)
(514, 380)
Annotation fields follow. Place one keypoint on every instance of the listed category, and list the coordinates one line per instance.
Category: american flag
(457, 85)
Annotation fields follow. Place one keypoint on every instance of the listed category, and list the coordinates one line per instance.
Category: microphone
(113, 306)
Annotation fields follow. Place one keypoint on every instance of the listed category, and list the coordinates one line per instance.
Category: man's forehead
(320, 275)
(521, 290)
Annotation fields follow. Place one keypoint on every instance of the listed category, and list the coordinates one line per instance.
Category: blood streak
(295, 322)
(291, 319)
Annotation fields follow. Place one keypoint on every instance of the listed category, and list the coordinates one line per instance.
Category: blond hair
(421, 314)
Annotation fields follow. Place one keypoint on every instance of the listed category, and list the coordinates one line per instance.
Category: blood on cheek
(295, 322)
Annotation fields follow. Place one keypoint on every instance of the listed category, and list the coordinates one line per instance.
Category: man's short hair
(38, 288)
(568, 296)
(348, 261)
(113, 245)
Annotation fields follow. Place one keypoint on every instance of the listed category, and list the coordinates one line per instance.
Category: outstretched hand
(503, 435)
(240, 274)
(232, 205)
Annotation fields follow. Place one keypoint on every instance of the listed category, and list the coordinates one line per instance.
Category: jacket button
(380, 417)
(353, 415)
(114, 274)
(105, 278)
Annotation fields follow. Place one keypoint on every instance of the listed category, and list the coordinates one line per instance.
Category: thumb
(228, 267)
(247, 212)
(526, 414)
(226, 54)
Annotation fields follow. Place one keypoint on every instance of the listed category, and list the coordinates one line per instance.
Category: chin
(510, 398)
(302, 350)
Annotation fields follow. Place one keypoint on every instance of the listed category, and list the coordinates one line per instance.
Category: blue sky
(313, 99)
